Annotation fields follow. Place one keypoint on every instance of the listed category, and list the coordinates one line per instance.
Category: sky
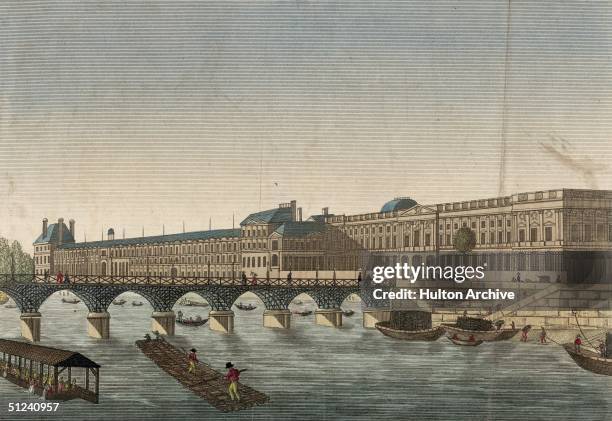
(137, 115)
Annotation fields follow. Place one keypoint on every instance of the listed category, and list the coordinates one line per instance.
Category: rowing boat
(463, 342)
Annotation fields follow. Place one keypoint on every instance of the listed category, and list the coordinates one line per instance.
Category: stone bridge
(98, 292)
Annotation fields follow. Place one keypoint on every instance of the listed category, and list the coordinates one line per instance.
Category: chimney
(299, 214)
(45, 223)
(110, 234)
(71, 222)
(325, 211)
(60, 231)
(293, 210)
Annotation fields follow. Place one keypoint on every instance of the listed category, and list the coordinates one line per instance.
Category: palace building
(545, 234)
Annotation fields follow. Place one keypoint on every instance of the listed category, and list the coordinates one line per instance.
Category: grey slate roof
(270, 216)
(53, 233)
(193, 236)
(300, 229)
(319, 218)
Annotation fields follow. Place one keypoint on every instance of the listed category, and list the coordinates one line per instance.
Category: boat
(348, 313)
(191, 322)
(303, 313)
(505, 334)
(479, 335)
(136, 304)
(246, 307)
(119, 302)
(70, 300)
(410, 335)
(589, 360)
(191, 303)
(10, 306)
(464, 342)
(298, 303)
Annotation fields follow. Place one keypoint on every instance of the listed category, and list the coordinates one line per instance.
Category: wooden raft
(204, 382)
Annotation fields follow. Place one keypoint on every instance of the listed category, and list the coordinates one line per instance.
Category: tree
(13, 259)
(465, 240)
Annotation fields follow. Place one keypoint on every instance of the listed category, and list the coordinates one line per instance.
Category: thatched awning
(46, 355)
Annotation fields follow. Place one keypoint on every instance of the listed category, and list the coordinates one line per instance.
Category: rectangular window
(575, 232)
(492, 237)
(547, 233)
(483, 224)
(500, 237)
(588, 234)
(473, 225)
(492, 224)
(407, 240)
(448, 240)
(533, 234)
(522, 236)
(428, 239)
(416, 238)
(601, 233)
(483, 238)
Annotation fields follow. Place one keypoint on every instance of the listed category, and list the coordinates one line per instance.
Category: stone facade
(538, 233)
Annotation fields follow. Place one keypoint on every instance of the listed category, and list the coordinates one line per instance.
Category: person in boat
(179, 316)
(193, 359)
(577, 343)
(525, 332)
(602, 349)
(472, 338)
(499, 324)
(455, 337)
(543, 336)
(198, 318)
(233, 376)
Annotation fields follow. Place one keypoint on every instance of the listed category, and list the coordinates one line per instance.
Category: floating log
(205, 382)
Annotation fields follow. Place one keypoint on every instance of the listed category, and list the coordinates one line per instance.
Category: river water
(316, 373)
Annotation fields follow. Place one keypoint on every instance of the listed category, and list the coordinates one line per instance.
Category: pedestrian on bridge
(59, 277)
(543, 336)
(254, 279)
(289, 278)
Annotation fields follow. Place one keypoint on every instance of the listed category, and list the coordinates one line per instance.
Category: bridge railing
(176, 280)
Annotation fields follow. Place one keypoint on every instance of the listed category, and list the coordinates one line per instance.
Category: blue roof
(270, 216)
(299, 229)
(193, 236)
(53, 234)
(398, 204)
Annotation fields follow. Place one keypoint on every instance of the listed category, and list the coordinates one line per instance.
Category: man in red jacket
(233, 375)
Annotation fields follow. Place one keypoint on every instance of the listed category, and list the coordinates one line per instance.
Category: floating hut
(42, 368)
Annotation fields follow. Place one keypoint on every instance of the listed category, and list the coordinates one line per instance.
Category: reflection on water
(317, 373)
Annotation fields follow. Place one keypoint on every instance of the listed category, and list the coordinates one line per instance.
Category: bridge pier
(280, 319)
(163, 322)
(98, 325)
(30, 326)
(331, 317)
(221, 321)
(371, 316)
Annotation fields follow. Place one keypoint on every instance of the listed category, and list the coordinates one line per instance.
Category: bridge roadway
(98, 292)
